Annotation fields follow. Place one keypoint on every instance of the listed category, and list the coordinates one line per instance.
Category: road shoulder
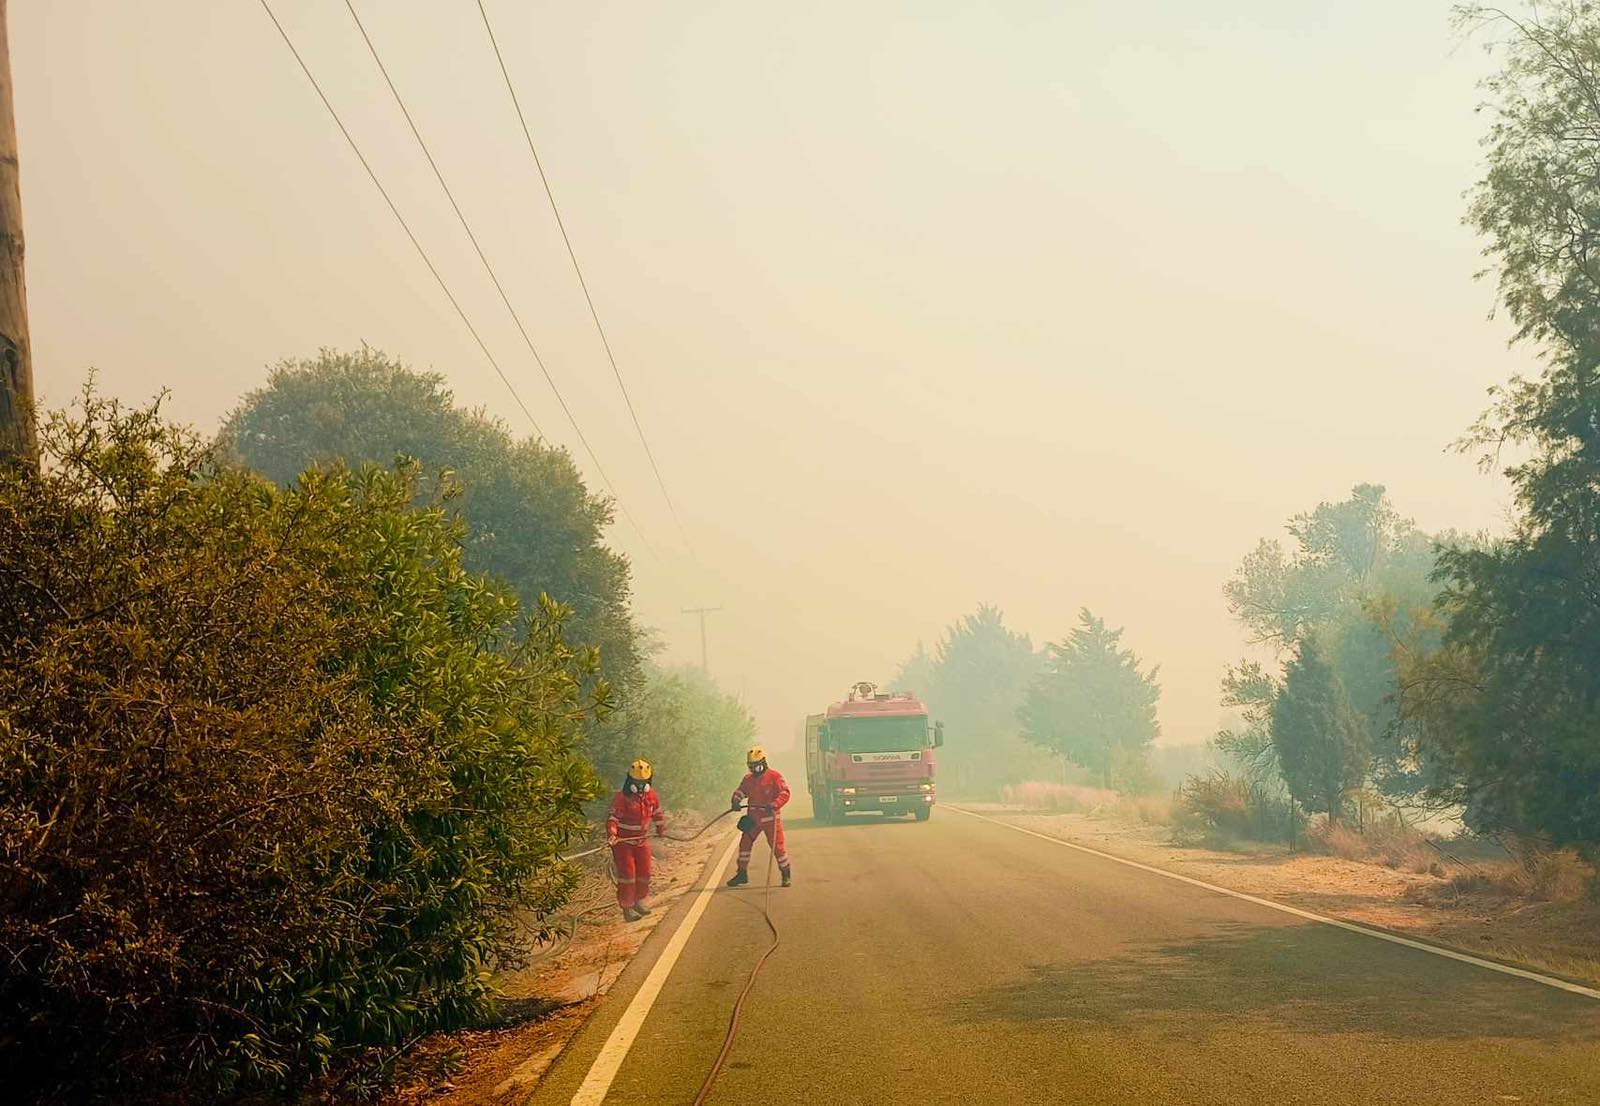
(1552, 938)
(590, 979)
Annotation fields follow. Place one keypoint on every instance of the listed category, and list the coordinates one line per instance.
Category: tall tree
(1513, 700)
(531, 522)
(1093, 704)
(978, 675)
(1322, 743)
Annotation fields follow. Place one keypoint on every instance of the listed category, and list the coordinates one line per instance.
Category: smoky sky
(921, 304)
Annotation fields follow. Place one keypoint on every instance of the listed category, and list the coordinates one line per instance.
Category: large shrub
(1226, 807)
(275, 787)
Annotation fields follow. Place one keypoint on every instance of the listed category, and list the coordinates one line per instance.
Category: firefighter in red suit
(631, 808)
(764, 793)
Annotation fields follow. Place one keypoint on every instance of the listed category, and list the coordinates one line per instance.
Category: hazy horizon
(921, 306)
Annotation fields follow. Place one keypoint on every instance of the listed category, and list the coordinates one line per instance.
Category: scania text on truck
(873, 751)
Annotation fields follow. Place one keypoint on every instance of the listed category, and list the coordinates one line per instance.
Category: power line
(582, 283)
(382, 191)
(493, 276)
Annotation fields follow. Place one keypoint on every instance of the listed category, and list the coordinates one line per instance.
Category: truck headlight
(847, 791)
(926, 786)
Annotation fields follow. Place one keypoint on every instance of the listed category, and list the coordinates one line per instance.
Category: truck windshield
(878, 735)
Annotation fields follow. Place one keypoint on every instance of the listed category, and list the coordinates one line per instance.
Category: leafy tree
(531, 522)
(1322, 743)
(978, 674)
(277, 784)
(1343, 553)
(1512, 701)
(1535, 200)
(1092, 704)
(1356, 567)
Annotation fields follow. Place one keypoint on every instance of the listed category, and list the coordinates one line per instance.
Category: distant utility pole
(18, 439)
(703, 612)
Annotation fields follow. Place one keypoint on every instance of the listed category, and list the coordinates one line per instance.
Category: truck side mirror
(938, 735)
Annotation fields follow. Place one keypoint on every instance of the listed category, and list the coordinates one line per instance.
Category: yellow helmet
(640, 769)
(756, 755)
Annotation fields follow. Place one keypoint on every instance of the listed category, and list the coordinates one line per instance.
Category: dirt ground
(549, 1000)
(1558, 937)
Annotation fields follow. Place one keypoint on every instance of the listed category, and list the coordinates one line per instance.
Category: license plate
(888, 798)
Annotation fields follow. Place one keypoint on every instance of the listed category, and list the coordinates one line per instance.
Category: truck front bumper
(889, 802)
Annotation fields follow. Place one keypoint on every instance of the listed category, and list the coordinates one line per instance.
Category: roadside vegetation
(1440, 673)
(294, 730)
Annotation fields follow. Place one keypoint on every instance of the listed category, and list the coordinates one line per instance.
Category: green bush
(275, 786)
(1221, 805)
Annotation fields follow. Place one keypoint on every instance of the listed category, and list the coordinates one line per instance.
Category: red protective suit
(629, 848)
(766, 793)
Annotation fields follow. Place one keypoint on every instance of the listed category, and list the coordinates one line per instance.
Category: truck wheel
(924, 813)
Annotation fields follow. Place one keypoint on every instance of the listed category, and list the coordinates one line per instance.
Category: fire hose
(643, 837)
(738, 1004)
(582, 916)
(737, 1015)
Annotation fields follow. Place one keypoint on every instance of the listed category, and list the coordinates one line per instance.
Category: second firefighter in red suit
(631, 808)
(764, 793)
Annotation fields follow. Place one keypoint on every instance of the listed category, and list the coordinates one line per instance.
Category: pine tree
(1323, 745)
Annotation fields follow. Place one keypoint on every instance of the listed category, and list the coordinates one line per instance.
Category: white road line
(593, 1090)
(1393, 939)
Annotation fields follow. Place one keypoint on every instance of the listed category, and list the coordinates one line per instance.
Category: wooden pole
(701, 611)
(18, 438)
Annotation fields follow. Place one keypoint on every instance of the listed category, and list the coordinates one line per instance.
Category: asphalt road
(960, 961)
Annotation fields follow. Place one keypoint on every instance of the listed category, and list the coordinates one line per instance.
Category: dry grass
(1071, 798)
(1152, 810)
(1058, 798)
(1387, 841)
(1536, 875)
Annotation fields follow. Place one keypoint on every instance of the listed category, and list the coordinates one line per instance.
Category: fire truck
(872, 751)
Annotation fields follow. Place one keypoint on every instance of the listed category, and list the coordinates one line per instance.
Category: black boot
(630, 914)
(640, 909)
(788, 875)
(740, 878)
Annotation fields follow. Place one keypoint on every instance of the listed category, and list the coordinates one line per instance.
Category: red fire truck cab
(873, 751)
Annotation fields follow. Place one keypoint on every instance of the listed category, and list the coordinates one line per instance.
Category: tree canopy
(1512, 701)
(972, 682)
(1092, 703)
(530, 520)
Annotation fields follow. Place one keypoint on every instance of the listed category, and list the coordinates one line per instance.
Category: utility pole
(703, 612)
(19, 442)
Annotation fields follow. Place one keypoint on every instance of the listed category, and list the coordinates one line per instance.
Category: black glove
(736, 805)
